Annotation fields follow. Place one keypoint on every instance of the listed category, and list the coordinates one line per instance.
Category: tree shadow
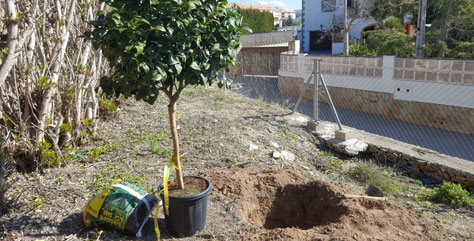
(27, 226)
(74, 225)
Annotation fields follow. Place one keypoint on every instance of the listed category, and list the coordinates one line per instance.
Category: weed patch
(368, 174)
(49, 158)
(157, 149)
(451, 193)
(96, 152)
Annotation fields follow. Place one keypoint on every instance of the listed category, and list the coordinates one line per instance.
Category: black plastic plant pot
(187, 215)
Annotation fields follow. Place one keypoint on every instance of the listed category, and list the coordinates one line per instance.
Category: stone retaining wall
(411, 164)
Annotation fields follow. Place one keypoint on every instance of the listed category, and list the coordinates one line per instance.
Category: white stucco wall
(314, 18)
(337, 48)
(359, 25)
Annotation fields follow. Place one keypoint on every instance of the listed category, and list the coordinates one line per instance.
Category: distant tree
(258, 21)
(382, 9)
(453, 18)
(290, 22)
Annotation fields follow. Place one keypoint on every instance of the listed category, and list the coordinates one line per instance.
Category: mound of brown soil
(285, 205)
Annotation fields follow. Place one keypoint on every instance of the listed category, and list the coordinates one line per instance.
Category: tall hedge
(258, 21)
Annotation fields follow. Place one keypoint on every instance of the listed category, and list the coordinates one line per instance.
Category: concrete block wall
(374, 89)
(435, 70)
(354, 66)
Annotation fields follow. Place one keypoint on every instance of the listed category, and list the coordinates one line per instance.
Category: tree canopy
(155, 45)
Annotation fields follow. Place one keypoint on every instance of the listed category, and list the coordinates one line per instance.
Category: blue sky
(290, 4)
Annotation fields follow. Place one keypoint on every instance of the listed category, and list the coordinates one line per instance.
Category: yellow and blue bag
(122, 206)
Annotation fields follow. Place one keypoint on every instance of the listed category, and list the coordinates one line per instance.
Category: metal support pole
(346, 32)
(420, 29)
(317, 75)
(331, 103)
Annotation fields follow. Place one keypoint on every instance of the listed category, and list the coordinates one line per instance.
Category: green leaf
(216, 47)
(159, 28)
(195, 66)
(178, 68)
(172, 59)
(139, 49)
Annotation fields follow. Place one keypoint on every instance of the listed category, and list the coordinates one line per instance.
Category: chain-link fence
(423, 102)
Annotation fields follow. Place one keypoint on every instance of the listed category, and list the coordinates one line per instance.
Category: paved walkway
(450, 143)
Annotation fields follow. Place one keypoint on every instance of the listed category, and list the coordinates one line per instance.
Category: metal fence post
(317, 72)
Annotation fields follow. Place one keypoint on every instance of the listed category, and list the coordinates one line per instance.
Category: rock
(305, 167)
(276, 155)
(297, 119)
(288, 156)
(459, 178)
(429, 181)
(372, 148)
(374, 191)
(427, 169)
(274, 144)
(350, 147)
(253, 147)
(402, 163)
(412, 163)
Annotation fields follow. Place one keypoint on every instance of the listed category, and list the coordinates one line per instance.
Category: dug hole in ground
(284, 205)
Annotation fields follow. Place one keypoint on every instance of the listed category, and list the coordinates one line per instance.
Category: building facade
(323, 24)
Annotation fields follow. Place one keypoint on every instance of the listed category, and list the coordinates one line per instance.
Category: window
(328, 5)
(351, 3)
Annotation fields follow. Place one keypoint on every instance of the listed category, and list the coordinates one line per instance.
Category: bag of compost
(122, 205)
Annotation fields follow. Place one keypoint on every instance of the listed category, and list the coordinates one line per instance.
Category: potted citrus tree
(165, 46)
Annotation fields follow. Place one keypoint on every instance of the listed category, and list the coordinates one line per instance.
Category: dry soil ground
(231, 140)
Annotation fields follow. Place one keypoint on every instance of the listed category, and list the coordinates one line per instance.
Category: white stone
(253, 147)
(297, 119)
(353, 146)
(276, 155)
(288, 156)
(274, 144)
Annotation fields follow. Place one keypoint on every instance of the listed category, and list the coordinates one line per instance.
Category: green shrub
(463, 50)
(108, 108)
(451, 193)
(361, 50)
(49, 157)
(392, 23)
(393, 43)
(371, 175)
(435, 48)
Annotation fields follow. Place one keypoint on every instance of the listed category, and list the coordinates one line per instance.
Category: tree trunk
(12, 40)
(174, 134)
(56, 70)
